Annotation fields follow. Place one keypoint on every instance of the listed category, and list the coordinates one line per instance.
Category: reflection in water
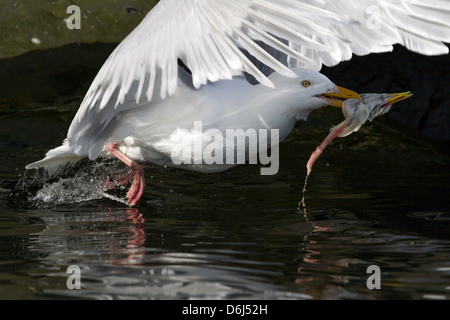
(96, 241)
(322, 278)
(338, 253)
(233, 237)
(133, 250)
(123, 255)
(179, 245)
(118, 235)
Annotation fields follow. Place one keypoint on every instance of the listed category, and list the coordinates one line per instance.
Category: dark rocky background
(59, 68)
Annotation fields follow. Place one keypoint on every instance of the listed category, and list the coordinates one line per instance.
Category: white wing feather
(209, 36)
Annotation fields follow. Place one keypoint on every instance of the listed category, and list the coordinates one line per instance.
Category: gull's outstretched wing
(370, 26)
(211, 36)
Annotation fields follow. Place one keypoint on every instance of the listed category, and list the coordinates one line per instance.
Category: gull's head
(310, 90)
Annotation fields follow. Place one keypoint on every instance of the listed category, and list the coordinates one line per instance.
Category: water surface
(379, 197)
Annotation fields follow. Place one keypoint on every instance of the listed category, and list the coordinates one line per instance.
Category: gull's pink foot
(137, 186)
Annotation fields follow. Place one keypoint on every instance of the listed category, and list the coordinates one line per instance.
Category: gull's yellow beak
(336, 99)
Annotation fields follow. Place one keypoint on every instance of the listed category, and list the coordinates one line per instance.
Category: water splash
(77, 184)
(69, 191)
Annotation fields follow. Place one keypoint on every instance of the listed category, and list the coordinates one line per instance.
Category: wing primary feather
(151, 83)
(218, 59)
(302, 5)
(422, 45)
(262, 55)
(277, 44)
(271, 25)
(419, 25)
(274, 9)
(172, 76)
(163, 88)
(215, 55)
(229, 55)
(436, 4)
(249, 66)
(141, 80)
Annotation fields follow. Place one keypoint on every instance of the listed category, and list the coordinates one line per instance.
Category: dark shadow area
(64, 74)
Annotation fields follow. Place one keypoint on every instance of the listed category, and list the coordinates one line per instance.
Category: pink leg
(316, 154)
(137, 186)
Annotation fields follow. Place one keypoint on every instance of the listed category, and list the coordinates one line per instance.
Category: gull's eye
(306, 83)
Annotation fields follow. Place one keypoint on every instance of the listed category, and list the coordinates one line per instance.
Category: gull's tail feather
(55, 159)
